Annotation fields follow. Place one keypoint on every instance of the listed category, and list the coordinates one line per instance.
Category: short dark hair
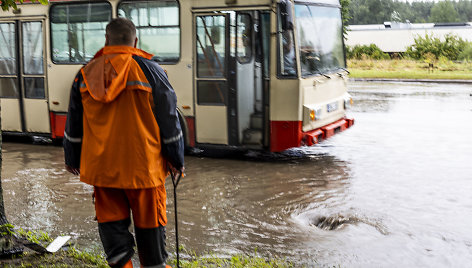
(121, 31)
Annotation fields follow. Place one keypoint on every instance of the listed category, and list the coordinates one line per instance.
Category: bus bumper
(288, 134)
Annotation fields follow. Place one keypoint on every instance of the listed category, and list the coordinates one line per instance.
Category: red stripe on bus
(335, 127)
(58, 125)
(284, 135)
(191, 131)
(288, 134)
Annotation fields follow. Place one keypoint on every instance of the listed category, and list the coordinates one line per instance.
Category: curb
(446, 81)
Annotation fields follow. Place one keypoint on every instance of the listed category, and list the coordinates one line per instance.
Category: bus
(251, 74)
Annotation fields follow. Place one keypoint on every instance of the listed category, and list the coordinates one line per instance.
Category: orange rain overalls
(122, 128)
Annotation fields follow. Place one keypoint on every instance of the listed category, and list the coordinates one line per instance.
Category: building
(394, 37)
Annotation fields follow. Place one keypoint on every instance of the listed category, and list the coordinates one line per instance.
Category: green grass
(409, 69)
(192, 260)
(236, 261)
(73, 257)
(64, 259)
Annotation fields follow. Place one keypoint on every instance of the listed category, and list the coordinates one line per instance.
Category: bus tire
(184, 127)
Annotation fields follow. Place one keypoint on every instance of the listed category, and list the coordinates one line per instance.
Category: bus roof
(228, 2)
(325, 2)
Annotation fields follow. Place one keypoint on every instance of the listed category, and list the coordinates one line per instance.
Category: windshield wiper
(325, 75)
(344, 69)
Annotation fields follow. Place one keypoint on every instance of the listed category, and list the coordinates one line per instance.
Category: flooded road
(392, 191)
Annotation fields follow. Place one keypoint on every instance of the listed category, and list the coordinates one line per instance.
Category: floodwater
(392, 191)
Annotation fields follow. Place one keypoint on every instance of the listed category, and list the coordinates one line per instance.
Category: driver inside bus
(288, 53)
(122, 134)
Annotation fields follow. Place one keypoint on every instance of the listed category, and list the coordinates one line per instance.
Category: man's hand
(174, 170)
(72, 170)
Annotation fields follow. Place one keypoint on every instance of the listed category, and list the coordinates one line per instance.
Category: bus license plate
(332, 107)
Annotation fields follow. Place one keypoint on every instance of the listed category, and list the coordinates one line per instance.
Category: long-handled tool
(175, 182)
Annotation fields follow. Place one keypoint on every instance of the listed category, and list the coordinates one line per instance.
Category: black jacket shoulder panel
(73, 132)
(165, 111)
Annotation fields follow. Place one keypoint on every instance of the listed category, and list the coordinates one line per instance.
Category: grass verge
(409, 69)
(191, 260)
(73, 257)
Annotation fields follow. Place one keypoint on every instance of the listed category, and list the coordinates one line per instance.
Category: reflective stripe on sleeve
(137, 83)
(173, 139)
(71, 139)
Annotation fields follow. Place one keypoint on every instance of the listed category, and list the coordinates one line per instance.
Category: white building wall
(398, 39)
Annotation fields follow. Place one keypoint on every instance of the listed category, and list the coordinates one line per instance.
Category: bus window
(265, 34)
(212, 92)
(33, 59)
(320, 38)
(244, 37)
(211, 59)
(287, 64)
(157, 24)
(78, 30)
(211, 45)
(33, 48)
(8, 85)
(34, 88)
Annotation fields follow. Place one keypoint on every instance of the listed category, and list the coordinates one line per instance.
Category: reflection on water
(392, 191)
(40, 194)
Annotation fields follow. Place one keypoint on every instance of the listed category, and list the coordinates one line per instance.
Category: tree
(345, 15)
(379, 11)
(6, 247)
(7, 4)
(371, 11)
(464, 8)
(444, 11)
(421, 11)
(3, 219)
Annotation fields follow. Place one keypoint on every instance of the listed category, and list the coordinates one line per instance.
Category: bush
(424, 47)
(466, 54)
(366, 51)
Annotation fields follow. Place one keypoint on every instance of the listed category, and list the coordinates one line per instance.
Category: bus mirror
(215, 32)
(286, 16)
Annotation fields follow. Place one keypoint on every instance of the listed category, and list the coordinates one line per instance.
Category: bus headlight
(348, 102)
(311, 114)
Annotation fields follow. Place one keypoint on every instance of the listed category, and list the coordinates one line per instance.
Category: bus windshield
(320, 38)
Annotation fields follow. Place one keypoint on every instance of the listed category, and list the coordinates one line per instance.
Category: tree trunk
(3, 218)
(8, 246)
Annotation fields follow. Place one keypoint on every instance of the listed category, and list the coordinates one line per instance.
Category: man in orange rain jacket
(122, 134)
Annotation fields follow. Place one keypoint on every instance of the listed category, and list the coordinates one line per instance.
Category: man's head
(121, 32)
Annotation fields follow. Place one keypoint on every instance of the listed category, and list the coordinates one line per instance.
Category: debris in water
(336, 222)
(333, 222)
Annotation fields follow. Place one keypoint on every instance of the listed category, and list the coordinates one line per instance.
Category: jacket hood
(106, 76)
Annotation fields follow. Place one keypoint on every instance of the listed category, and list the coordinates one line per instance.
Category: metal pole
(175, 182)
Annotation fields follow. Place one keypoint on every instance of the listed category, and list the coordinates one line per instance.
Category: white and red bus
(257, 74)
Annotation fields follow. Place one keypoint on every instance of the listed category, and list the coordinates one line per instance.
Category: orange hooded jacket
(121, 146)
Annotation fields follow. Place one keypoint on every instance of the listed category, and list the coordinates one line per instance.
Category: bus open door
(231, 78)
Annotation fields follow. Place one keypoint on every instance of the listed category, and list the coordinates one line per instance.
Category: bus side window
(244, 37)
(78, 30)
(211, 45)
(158, 28)
(288, 67)
(286, 47)
(8, 85)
